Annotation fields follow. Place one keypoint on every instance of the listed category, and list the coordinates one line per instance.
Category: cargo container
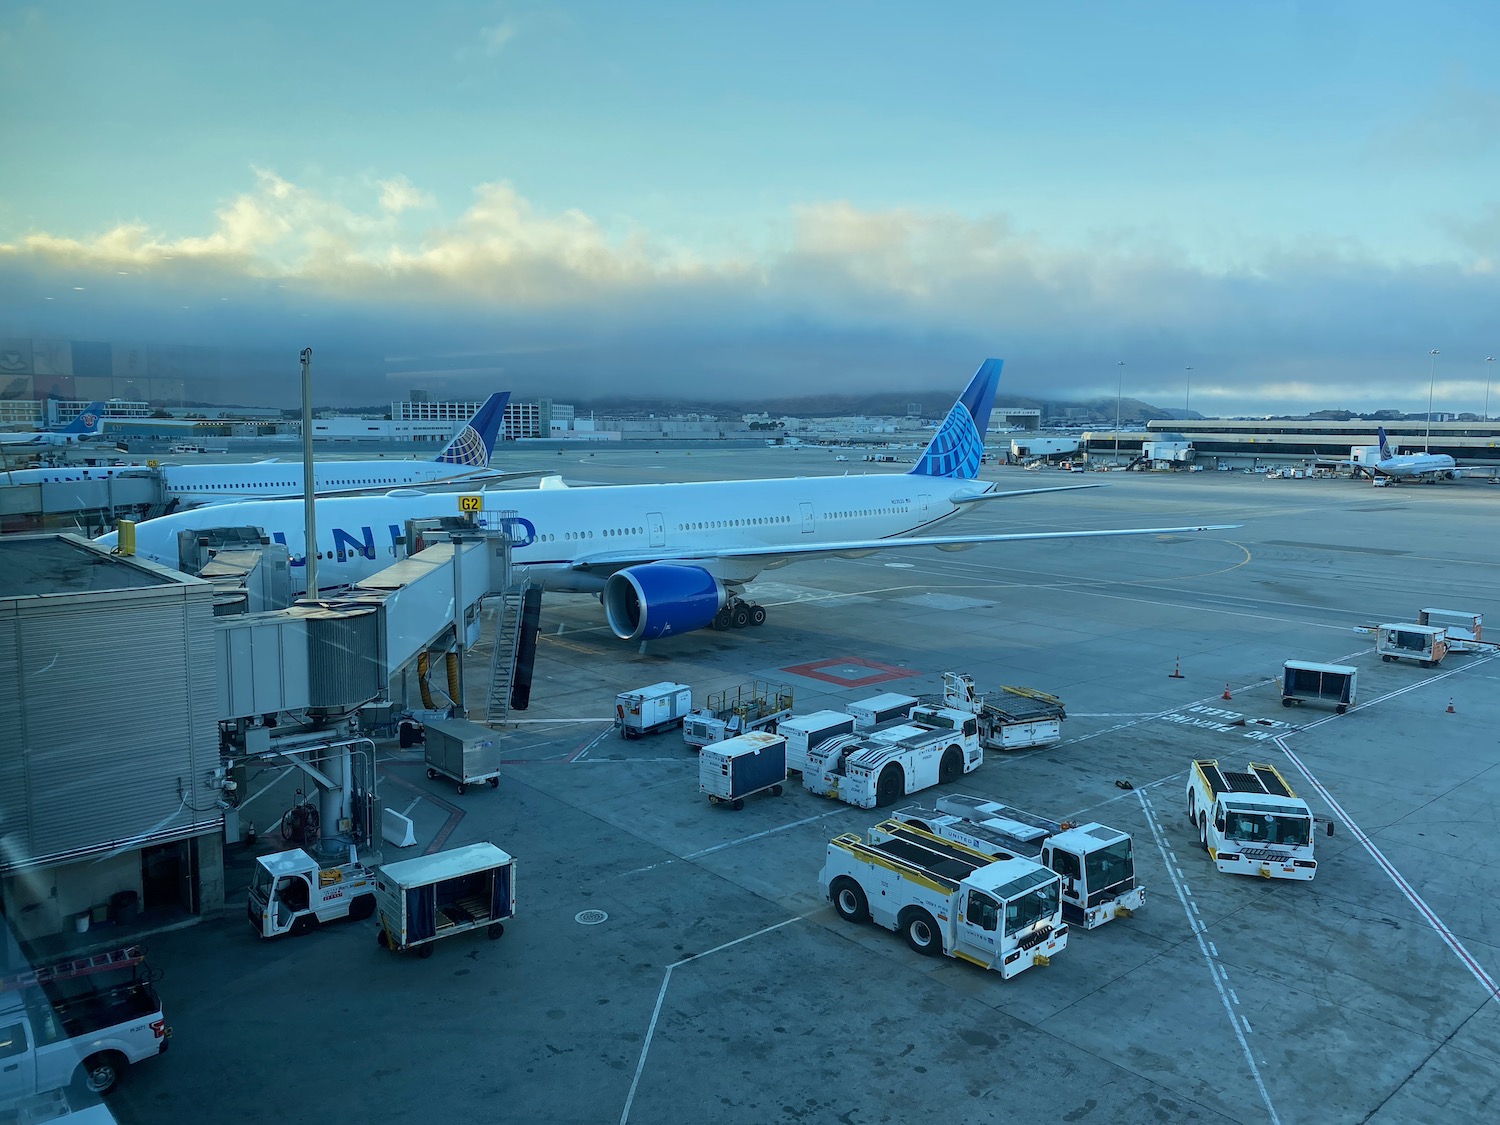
(1303, 681)
(807, 732)
(465, 752)
(652, 708)
(880, 709)
(1422, 643)
(436, 896)
(737, 768)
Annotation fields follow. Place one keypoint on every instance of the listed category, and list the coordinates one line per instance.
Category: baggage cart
(423, 900)
(737, 768)
(465, 752)
(1465, 630)
(1422, 643)
(1303, 682)
(870, 713)
(652, 708)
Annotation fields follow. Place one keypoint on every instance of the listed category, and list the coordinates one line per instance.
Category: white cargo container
(464, 752)
(652, 708)
(737, 768)
(807, 732)
(1422, 643)
(880, 709)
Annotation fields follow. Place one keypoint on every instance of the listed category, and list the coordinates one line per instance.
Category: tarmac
(719, 985)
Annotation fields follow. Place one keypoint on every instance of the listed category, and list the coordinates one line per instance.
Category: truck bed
(1260, 778)
(1025, 705)
(946, 863)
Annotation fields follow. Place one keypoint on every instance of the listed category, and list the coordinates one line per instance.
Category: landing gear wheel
(849, 900)
(462, 788)
(892, 784)
(431, 774)
(952, 767)
(723, 619)
(757, 615)
(737, 804)
(921, 933)
(741, 616)
(494, 783)
(495, 931)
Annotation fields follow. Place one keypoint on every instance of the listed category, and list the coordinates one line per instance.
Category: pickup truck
(50, 1039)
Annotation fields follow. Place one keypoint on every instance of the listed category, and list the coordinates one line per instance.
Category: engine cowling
(642, 603)
(1451, 474)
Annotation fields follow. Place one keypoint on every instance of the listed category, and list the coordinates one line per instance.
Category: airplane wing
(772, 557)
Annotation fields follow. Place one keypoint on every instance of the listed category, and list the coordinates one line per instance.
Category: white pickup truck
(57, 1030)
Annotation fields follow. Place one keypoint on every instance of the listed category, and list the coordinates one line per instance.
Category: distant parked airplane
(664, 558)
(88, 423)
(1406, 466)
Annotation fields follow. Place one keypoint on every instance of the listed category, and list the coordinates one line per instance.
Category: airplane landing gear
(738, 614)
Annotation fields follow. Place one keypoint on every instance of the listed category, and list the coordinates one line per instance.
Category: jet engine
(654, 600)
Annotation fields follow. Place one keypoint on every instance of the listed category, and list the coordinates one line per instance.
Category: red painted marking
(879, 673)
(455, 814)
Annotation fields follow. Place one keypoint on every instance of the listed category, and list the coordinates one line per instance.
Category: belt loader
(1251, 823)
(1018, 718)
(945, 898)
(874, 768)
(1095, 862)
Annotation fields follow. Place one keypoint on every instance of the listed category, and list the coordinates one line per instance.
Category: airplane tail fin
(1385, 446)
(476, 441)
(89, 421)
(957, 448)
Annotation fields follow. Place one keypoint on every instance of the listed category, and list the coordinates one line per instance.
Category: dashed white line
(1213, 949)
(1213, 962)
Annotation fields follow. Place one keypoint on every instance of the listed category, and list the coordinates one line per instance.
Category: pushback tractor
(1251, 823)
(943, 897)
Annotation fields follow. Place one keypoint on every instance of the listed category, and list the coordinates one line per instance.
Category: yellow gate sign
(473, 503)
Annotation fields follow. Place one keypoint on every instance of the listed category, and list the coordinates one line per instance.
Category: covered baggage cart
(465, 752)
(1303, 681)
(652, 708)
(737, 768)
(452, 892)
(1423, 643)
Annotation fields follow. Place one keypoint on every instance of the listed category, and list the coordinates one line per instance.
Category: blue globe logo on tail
(957, 449)
(476, 441)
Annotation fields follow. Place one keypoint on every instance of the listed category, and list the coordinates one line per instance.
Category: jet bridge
(322, 660)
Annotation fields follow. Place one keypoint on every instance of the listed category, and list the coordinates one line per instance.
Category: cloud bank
(390, 291)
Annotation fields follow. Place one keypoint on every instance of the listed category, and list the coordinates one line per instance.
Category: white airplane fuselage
(1408, 465)
(555, 527)
(214, 484)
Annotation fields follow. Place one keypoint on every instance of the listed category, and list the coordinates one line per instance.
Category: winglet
(957, 448)
(476, 441)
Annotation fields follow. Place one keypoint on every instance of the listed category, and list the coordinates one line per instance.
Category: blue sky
(1297, 200)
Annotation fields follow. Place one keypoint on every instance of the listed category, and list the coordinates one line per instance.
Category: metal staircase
(503, 656)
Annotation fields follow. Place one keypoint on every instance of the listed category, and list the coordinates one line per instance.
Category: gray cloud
(505, 295)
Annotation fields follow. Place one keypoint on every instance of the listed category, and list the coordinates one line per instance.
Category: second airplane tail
(957, 449)
(1385, 446)
(89, 421)
(475, 442)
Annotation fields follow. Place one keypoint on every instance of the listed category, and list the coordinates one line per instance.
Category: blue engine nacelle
(642, 603)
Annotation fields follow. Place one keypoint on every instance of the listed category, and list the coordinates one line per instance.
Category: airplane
(89, 423)
(1410, 466)
(190, 486)
(665, 559)
(1393, 467)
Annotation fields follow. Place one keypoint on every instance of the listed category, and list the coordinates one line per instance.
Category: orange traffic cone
(1176, 673)
(1226, 694)
(1450, 710)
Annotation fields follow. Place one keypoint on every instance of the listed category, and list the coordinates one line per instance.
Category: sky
(1298, 202)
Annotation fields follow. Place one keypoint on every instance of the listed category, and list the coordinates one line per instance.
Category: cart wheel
(425, 952)
(1287, 702)
(1341, 708)
(712, 800)
(775, 790)
(462, 788)
(738, 804)
(494, 783)
(431, 774)
(381, 940)
(495, 931)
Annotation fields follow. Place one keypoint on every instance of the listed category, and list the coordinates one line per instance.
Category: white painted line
(661, 995)
(1232, 995)
(1260, 1083)
(595, 742)
(762, 835)
(1212, 948)
(1248, 1029)
(1428, 914)
(415, 801)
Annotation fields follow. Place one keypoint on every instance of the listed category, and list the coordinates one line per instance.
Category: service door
(922, 504)
(979, 927)
(807, 517)
(658, 529)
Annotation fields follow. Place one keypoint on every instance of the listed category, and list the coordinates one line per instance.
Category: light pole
(1119, 395)
(310, 552)
(1489, 359)
(1431, 382)
(1187, 399)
